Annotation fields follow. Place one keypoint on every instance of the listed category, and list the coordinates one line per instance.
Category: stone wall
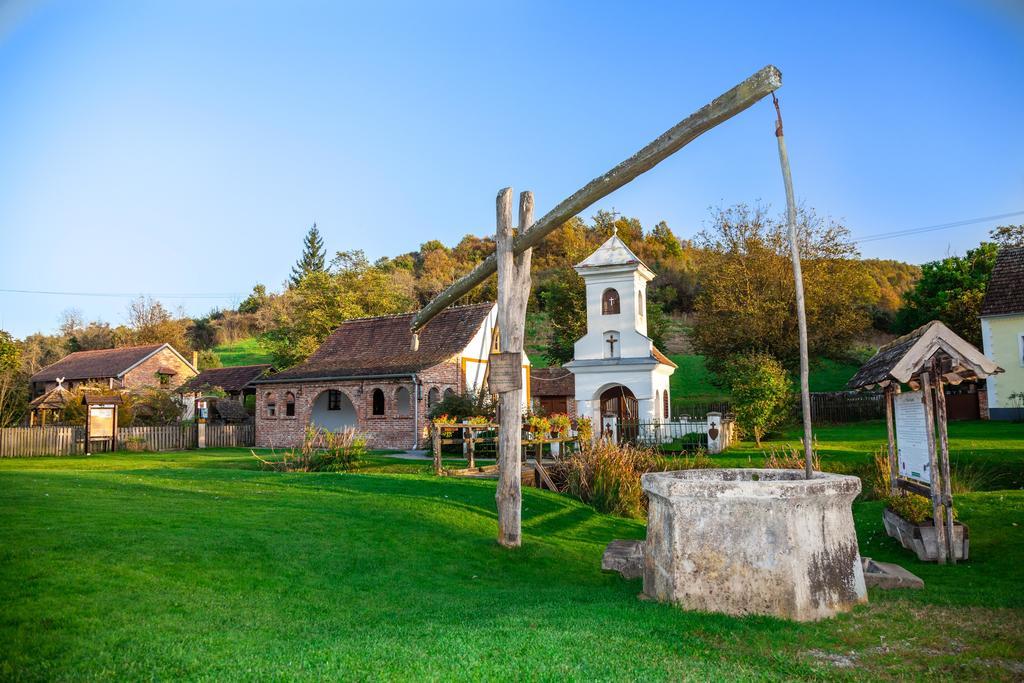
(390, 430)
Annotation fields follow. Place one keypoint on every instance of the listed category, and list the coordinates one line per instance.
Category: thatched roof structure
(54, 399)
(903, 359)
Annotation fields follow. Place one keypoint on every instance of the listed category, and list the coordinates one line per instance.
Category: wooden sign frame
(505, 372)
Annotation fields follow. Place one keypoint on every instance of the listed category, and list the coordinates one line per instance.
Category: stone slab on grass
(624, 557)
(887, 575)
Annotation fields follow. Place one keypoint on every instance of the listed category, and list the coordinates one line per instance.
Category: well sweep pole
(801, 313)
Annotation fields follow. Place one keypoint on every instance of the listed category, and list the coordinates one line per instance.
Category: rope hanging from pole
(801, 314)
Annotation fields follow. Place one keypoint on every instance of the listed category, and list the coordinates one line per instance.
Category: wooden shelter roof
(235, 378)
(905, 357)
(54, 399)
(370, 347)
(1005, 292)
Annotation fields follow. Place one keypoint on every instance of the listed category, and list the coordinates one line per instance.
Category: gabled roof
(552, 382)
(1005, 292)
(54, 399)
(662, 358)
(383, 346)
(613, 252)
(903, 358)
(234, 378)
(101, 363)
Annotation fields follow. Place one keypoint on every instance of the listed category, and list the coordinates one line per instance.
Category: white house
(620, 376)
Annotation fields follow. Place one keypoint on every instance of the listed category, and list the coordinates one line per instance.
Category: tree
(151, 323)
(950, 290)
(564, 299)
(747, 298)
(761, 393)
(255, 301)
(11, 381)
(1008, 235)
(313, 259)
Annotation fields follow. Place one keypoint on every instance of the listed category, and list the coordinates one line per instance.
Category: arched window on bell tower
(610, 302)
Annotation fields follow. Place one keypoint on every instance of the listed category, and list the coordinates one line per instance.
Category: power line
(932, 228)
(155, 295)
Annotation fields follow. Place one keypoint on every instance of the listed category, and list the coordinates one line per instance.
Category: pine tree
(312, 260)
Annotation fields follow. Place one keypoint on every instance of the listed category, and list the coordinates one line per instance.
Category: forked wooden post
(933, 466)
(947, 488)
(894, 466)
(513, 294)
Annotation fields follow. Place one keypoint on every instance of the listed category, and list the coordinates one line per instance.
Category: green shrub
(464, 405)
(760, 391)
(910, 506)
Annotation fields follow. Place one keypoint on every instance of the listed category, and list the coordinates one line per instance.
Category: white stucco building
(621, 378)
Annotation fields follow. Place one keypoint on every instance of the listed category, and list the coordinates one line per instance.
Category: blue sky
(185, 147)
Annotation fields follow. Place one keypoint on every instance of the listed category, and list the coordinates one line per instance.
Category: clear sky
(185, 147)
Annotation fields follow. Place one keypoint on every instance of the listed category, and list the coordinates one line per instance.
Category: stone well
(748, 541)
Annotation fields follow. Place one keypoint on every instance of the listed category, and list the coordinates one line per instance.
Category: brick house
(128, 367)
(367, 377)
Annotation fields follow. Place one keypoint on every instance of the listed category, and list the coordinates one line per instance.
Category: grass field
(245, 352)
(198, 565)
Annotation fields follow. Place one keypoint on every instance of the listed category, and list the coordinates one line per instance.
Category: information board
(101, 422)
(912, 436)
(505, 372)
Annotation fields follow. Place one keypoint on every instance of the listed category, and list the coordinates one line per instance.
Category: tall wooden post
(947, 487)
(894, 467)
(513, 293)
(436, 439)
(933, 466)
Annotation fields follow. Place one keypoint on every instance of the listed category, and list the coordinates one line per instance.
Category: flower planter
(749, 541)
(922, 539)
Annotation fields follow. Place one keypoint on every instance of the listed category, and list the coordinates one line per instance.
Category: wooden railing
(471, 437)
(230, 436)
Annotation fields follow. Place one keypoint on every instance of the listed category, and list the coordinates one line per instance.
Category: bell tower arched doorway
(620, 403)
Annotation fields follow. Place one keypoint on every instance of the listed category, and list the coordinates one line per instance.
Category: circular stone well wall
(753, 541)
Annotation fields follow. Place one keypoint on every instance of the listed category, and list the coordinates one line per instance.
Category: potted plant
(538, 425)
(441, 421)
(908, 519)
(560, 424)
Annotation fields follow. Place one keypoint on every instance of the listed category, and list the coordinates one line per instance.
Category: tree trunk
(513, 293)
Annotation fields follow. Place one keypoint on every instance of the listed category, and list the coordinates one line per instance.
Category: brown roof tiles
(1005, 292)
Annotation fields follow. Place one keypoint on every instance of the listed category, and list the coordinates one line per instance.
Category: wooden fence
(20, 442)
(229, 436)
(164, 438)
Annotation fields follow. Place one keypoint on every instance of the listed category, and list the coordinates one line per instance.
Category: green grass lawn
(245, 352)
(199, 565)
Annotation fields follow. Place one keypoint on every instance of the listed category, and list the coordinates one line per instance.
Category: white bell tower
(618, 371)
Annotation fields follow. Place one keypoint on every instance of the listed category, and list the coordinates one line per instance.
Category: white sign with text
(912, 437)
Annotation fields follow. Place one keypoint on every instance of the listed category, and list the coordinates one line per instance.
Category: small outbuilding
(554, 391)
(235, 381)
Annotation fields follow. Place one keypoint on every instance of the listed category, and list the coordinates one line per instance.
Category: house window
(657, 404)
(289, 404)
(1020, 349)
(665, 408)
(378, 402)
(402, 402)
(433, 396)
(270, 410)
(164, 379)
(449, 392)
(610, 302)
(640, 303)
(333, 399)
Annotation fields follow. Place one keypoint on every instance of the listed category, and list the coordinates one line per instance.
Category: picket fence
(21, 442)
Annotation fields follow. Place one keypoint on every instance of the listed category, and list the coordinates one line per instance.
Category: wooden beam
(933, 467)
(894, 468)
(719, 110)
(947, 487)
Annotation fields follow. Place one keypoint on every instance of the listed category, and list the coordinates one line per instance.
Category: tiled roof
(229, 379)
(98, 364)
(552, 382)
(383, 346)
(1005, 293)
(662, 358)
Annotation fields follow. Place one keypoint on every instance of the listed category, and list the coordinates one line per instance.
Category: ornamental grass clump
(607, 476)
(321, 451)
